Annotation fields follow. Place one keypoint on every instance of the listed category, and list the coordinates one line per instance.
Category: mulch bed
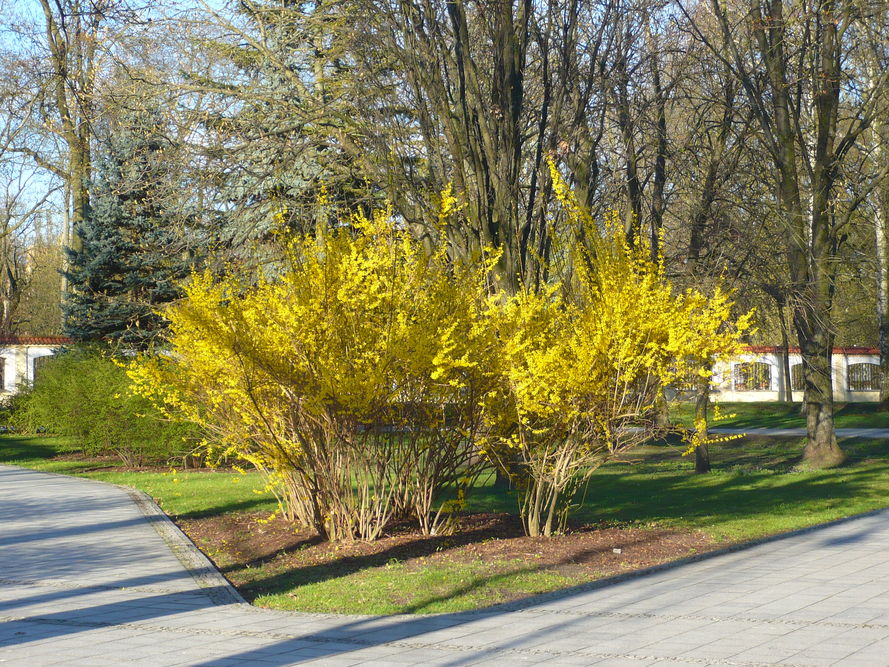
(239, 543)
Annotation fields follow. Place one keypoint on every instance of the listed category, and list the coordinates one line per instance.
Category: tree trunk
(812, 240)
(80, 170)
(502, 481)
(881, 229)
(882, 241)
(633, 214)
(702, 452)
(658, 203)
(72, 36)
(821, 450)
(785, 355)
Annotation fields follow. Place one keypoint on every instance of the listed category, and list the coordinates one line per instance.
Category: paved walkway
(87, 578)
(793, 432)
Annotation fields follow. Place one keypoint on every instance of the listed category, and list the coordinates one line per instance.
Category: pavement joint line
(411, 645)
(694, 617)
(682, 659)
(99, 588)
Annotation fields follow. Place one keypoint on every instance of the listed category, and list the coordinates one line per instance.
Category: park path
(90, 574)
(794, 432)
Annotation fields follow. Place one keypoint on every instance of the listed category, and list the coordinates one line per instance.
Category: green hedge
(81, 392)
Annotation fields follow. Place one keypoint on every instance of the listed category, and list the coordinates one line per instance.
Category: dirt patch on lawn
(256, 554)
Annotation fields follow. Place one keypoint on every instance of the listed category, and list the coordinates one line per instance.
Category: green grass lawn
(784, 415)
(407, 588)
(754, 490)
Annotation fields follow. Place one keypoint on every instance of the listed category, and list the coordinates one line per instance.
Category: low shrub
(85, 394)
(11, 408)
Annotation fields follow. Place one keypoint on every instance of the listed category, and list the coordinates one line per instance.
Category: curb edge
(201, 569)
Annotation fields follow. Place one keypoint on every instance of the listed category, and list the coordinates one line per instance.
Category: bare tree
(789, 59)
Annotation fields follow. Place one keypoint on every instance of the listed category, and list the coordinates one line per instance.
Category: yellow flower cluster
(581, 363)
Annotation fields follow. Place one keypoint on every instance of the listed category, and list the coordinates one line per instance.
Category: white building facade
(759, 375)
(20, 359)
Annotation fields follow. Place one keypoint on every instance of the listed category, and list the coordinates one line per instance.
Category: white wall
(18, 364)
(33, 353)
(724, 378)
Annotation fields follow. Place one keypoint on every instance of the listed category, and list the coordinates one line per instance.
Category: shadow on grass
(861, 415)
(29, 447)
(778, 454)
(861, 450)
(787, 415)
(731, 494)
(345, 566)
(756, 452)
(224, 508)
(746, 415)
(478, 583)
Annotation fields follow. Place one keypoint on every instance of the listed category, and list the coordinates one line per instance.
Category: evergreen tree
(132, 247)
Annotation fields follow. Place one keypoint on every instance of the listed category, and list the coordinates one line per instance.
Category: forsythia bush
(353, 378)
(371, 380)
(581, 364)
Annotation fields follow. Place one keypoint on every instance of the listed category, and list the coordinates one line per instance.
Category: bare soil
(244, 544)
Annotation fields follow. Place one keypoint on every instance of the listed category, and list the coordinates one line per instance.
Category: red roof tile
(766, 349)
(35, 340)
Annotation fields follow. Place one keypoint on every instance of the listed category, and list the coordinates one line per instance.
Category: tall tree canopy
(743, 138)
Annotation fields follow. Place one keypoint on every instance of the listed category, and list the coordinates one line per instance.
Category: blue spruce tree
(132, 251)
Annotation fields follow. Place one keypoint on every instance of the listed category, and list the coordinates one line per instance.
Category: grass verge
(784, 415)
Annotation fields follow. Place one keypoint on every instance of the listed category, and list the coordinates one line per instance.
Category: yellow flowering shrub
(352, 378)
(581, 363)
(372, 379)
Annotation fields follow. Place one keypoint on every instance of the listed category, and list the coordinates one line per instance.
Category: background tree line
(745, 140)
